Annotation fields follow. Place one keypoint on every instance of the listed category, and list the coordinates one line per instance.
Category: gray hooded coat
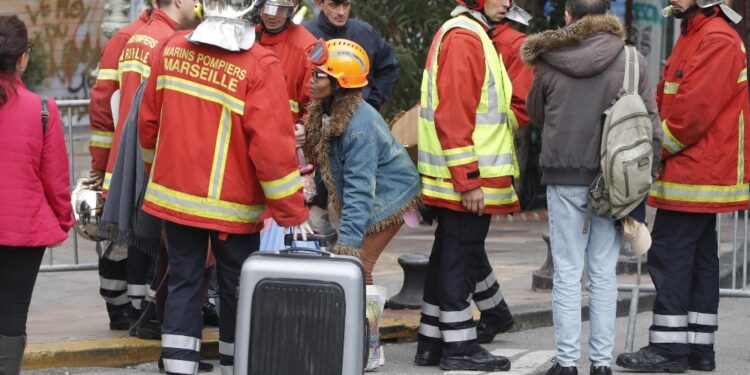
(578, 71)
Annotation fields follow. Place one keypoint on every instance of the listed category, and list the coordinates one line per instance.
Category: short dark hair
(581, 8)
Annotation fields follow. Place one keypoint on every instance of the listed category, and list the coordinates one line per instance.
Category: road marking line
(510, 353)
(530, 362)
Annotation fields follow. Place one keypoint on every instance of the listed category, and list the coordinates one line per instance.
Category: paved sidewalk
(68, 324)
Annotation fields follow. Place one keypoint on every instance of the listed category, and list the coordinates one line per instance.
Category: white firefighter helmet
(225, 27)
(729, 12)
(88, 205)
(229, 8)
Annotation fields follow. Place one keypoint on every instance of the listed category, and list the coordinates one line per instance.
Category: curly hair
(14, 42)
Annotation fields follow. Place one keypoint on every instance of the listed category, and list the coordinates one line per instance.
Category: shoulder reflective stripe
(491, 302)
(741, 149)
(701, 338)
(181, 342)
(430, 310)
(134, 66)
(670, 88)
(226, 348)
(456, 316)
(485, 284)
(107, 75)
(135, 290)
(671, 321)
(113, 285)
(294, 106)
(459, 335)
(703, 319)
(201, 91)
(120, 300)
(107, 180)
(660, 337)
(743, 76)
(148, 155)
(201, 206)
(101, 139)
(227, 370)
(221, 148)
(282, 187)
(670, 142)
(179, 366)
(700, 193)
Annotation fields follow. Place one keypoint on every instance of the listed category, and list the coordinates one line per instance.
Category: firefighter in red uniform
(112, 266)
(134, 66)
(704, 105)
(467, 163)
(217, 113)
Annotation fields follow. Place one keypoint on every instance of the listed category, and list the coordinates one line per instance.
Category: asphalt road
(531, 351)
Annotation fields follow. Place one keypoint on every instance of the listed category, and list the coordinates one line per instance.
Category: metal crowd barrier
(66, 112)
(736, 291)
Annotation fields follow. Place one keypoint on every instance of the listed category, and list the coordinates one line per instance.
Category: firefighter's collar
(476, 15)
(230, 34)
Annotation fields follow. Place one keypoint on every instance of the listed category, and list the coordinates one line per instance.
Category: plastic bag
(375, 303)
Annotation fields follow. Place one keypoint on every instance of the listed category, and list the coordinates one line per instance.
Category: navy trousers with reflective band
(684, 266)
(183, 323)
(113, 286)
(458, 254)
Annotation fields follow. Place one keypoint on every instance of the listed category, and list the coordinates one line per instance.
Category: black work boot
(210, 316)
(148, 327)
(649, 360)
(427, 355)
(701, 363)
(120, 320)
(600, 370)
(479, 361)
(558, 369)
(487, 330)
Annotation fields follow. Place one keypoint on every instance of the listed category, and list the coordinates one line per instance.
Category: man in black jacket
(333, 22)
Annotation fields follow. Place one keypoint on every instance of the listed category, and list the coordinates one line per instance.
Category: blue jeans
(570, 248)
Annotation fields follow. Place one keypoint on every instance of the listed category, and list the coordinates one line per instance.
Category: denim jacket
(370, 179)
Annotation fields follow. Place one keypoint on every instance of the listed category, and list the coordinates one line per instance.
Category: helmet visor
(275, 10)
(228, 8)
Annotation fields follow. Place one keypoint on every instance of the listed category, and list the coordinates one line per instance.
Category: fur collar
(538, 44)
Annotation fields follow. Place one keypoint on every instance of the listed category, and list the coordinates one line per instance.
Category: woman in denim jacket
(370, 179)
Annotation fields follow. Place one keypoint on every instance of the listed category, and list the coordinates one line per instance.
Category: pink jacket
(35, 208)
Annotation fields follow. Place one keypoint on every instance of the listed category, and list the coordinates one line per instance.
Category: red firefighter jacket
(704, 105)
(462, 64)
(225, 148)
(136, 62)
(508, 41)
(290, 47)
(100, 110)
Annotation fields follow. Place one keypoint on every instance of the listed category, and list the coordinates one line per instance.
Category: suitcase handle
(305, 250)
(322, 240)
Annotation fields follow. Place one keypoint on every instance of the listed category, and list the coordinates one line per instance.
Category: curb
(401, 328)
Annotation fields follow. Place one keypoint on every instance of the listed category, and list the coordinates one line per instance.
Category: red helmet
(472, 4)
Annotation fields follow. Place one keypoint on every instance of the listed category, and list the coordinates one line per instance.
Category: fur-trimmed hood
(581, 49)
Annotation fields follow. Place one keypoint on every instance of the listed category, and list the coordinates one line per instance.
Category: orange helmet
(344, 60)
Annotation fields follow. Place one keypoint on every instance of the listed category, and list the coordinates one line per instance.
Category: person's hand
(299, 134)
(302, 231)
(473, 200)
(96, 179)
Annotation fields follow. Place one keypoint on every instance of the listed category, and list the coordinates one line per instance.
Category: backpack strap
(45, 114)
(630, 81)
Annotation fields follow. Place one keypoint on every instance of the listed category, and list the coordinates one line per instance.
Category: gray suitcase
(301, 312)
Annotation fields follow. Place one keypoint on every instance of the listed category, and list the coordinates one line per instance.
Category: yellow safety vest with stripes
(493, 147)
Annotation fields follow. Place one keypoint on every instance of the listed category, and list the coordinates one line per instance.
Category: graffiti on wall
(68, 32)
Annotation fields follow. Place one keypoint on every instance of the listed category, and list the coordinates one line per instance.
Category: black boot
(121, 319)
(486, 330)
(600, 370)
(11, 354)
(649, 360)
(148, 327)
(427, 355)
(210, 316)
(558, 369)
(479, 361)
(701, 363)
